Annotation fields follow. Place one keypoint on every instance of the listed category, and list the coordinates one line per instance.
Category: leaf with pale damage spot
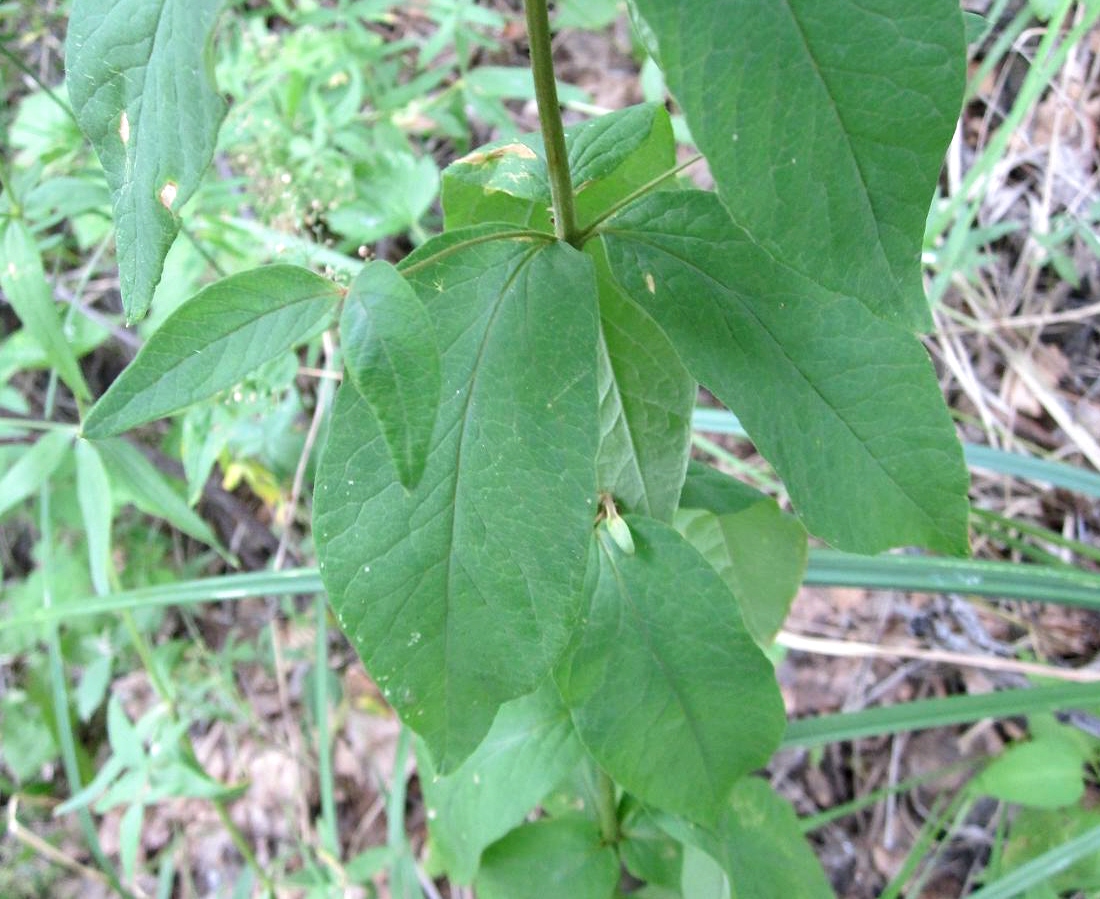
(142, 88)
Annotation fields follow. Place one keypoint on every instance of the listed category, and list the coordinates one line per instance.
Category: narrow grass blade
(1040, 870)
(297, 582)
(917, 573)
(926, 574)
(937, 713)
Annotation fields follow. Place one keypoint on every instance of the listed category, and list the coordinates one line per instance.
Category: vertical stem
(546, 93)
(607, 809)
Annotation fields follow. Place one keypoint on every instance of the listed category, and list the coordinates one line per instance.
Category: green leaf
(393, 361)
(530, 748)
(668, 691)
(92, 689)
(212, 341)
(33, 468)
(1036, 831)
(462, 593)
(646, 399)
(759, 551)
(759, 844)
(613, 156)
(760, 554)
(828, 132)
(646, 850)
(93, 491)
(136, 480)
(1068, 859)
(609, 157)
(845, 406)
(703, 877)
(27, 741)
(25, 287)
(141, 82)
(555, 858)
(504, 181)
(707, 488)
(1041, 774)
(129, 839)
(587, 14)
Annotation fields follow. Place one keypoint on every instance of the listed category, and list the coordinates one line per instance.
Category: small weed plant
(569, 613)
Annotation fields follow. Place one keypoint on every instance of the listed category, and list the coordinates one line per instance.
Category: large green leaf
(759, 844)
(555, 858)
(529, 749)
(825, 126)
(212, 341)
(646, 400)
(26, 288)
(141, 82)
(759, 550)
(668, 691)
(845, 406)
(761, 555)
(393, 361)
(461, 594)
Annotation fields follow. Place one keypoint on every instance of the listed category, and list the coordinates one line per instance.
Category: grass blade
(927, 574)
(1040, 870)
(928, 713)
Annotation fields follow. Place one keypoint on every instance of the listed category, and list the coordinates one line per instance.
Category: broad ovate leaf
(759, 845)
(530, 748)
(555, 858)
(462, 593)
(824, 125)
(844, 405)
(392, 359)
(669, 692)
(759, 550)
(141, 82)
(214, 340)
(646, 400)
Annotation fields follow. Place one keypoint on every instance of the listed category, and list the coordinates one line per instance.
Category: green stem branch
(553, 135)
(607, 809)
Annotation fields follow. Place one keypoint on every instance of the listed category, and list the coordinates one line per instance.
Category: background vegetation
(172, 724)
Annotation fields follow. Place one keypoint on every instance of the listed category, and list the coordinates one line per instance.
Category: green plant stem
(608, 809)
(553, 134)
(328, 828)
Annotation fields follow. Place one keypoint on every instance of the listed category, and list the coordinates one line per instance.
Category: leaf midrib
(184, 360)
(624, 591)
(464, 420)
